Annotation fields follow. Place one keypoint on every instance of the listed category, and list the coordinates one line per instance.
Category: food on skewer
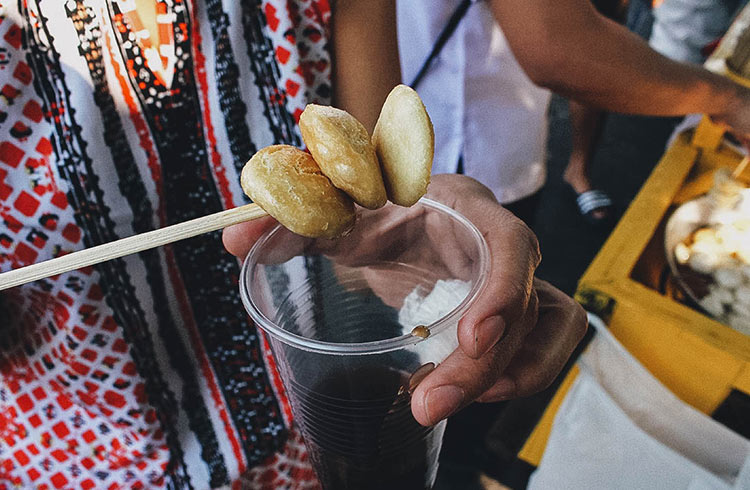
(310, 193)
(342, 148)
(288, 184)
(405, 143)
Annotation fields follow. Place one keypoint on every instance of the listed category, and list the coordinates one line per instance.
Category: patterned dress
(142, 372)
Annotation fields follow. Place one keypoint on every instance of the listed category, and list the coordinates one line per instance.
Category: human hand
(516, 337)
(736, 115)
(519, 333)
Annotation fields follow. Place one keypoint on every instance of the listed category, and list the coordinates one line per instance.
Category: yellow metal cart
(628, 284)
(698, 358)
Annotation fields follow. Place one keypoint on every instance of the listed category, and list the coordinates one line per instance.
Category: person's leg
(586, 124)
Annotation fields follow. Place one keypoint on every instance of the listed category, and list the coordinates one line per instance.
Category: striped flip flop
(592, 200)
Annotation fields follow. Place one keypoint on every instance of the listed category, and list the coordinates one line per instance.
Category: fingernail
(442, 401)
(419, 375)
(486, 334)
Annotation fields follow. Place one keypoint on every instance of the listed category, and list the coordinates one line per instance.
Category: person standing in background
(488, 98)
(587, 121)
(490, 119)
(121, 116)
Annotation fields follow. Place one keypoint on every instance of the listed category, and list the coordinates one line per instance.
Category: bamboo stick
(130, 245)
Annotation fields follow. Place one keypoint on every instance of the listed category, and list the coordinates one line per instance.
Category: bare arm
(567, 46)
(366, 64)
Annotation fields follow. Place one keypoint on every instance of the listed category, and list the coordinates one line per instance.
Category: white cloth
(482, 104)
(620, 428)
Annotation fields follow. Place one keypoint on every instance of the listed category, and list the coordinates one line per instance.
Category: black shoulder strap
(445, 34)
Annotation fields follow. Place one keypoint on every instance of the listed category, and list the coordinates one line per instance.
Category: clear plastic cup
(346, 320)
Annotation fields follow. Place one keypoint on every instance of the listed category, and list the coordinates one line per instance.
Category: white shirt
(482, 104)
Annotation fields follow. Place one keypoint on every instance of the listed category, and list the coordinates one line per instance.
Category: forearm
(366, 63)
(568, 47)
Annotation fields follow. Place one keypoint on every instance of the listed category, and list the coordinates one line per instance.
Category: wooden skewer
(741, 167)
(130, 245)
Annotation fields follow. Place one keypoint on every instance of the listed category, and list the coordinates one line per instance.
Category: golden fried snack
(288, 184)
(405, 143)
(343, 149)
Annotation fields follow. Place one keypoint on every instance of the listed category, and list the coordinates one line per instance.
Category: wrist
(728, 99)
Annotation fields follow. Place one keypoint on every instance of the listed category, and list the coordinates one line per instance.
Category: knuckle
(464, 185)
(519, 292)
(519, 295)
(534, 250)
(481, 190)
(529, 240)
(531, 316)
(533, 306)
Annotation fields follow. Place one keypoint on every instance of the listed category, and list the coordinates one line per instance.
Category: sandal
(594, 200)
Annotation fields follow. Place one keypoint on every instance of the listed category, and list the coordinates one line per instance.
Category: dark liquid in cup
(361, 434)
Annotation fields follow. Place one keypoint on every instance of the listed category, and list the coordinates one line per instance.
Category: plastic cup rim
(377, 346)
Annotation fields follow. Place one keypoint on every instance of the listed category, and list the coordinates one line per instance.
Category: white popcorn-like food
(712, 304)
(682, 253)
(722, 294)
(709, 247)
(702, 262)
(741, 309)
(728, 277)
(723, 253)
(742, 294)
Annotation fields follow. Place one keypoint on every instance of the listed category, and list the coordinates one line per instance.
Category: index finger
(514, 258)
(514, 254)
